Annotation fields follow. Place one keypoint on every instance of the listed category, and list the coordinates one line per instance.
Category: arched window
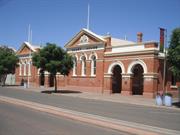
(24, 68)
(29, 68)
(74, 66)
(20, 68)
(83, 63)
(93, 65)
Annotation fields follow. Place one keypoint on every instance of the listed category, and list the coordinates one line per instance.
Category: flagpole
(88, 17)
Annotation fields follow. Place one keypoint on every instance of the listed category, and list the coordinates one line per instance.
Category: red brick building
(103, 64)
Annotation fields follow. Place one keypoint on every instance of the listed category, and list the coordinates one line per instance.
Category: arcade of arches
(136, 79)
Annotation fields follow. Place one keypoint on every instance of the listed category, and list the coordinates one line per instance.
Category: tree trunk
(55, 81)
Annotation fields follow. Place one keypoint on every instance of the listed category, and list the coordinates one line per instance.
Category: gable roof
(32, 47)
(86, 31)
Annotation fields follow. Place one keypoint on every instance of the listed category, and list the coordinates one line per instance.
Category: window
(83, 69)
(74, 66)
(173, 80)
(93, 65)
(20, 68)
(24, 68)
(29, 68)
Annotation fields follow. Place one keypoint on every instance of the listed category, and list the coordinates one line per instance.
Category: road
(17, 120)
(157, 117)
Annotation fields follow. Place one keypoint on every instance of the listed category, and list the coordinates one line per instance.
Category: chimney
(108, 39)
(139, 37)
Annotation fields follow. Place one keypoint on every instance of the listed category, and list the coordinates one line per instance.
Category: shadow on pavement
(60, 91)
(176, 104)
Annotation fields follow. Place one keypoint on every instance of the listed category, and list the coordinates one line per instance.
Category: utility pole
(165, 64)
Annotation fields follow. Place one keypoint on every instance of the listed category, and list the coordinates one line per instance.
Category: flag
(161, 39)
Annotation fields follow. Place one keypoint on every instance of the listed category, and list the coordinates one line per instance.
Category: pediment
(24, 49)
(84, 37)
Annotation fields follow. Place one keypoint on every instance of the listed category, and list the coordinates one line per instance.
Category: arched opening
(51, 80)
(74, 66)
(137, 82)
(41, 78)
(93, 65)
(116, 79)
(83, 64)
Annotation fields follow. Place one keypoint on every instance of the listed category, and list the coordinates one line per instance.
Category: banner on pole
(161, 39)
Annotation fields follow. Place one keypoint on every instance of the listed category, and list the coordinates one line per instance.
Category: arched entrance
(116, 79)
(41, 78)
(137, 82)
(51, 80)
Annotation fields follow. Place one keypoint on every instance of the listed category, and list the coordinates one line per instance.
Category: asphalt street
(158, 117)
(17, 120)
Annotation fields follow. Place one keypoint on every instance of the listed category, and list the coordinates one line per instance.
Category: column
(107, 84)
(150, 85)
(126, 84)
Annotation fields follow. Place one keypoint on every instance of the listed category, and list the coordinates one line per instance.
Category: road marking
(130, 127)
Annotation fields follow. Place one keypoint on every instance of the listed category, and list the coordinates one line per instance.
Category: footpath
(118, 98)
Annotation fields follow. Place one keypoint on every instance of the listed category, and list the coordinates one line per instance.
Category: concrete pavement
(118, 98)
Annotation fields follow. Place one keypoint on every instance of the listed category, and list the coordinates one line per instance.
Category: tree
(174, 53)
(53, 59)
(8, 62)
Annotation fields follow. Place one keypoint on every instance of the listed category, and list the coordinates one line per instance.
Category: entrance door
(42, 78)
(51, 80)
(138, 82)
(117, 79)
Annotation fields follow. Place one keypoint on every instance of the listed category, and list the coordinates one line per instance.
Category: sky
(57, 21)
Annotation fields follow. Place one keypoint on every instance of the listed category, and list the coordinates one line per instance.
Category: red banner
(161, 39)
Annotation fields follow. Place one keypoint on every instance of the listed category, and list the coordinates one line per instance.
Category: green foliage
(174, 52)
(53, 59)
(8, 60)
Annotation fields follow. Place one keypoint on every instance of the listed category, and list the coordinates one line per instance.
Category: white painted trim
(24, 68)
(93, 53)
(83, 54)
(29, 68)
(38, 72)
(129, 58)
(92, 63)
(20, 68)
(145, 51)
(83, 63)
(74, 67)
(114, 64)
(138, 61)
(85, 50)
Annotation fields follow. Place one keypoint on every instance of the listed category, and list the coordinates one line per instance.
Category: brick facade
(140, 66)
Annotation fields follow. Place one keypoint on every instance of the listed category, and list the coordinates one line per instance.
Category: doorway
(42, 78)
(138, 81)
(117, 79)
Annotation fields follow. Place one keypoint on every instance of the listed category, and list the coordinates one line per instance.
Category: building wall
(107, 57)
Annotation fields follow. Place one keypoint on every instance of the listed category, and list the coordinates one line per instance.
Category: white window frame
(75, 66)
(24, 68)
(29, 68)
(93, 65)
(83, 66)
